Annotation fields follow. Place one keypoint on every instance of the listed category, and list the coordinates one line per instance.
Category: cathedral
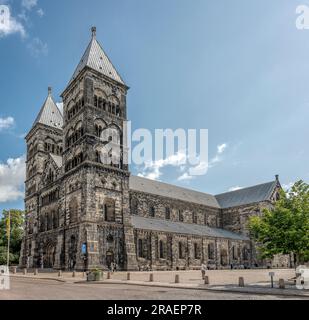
(82, 213)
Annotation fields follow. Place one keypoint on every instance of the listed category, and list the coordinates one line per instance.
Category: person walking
(203, 270)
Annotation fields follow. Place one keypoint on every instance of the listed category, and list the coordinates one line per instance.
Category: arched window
(95, 101)
(50, 221)
(140, 248)
(98, 157)
(167, 213)
(205, 219)
(194, 217)
(211, 251)
(245, 252)
(50, 176)
(134, 206)
(152, 211)
(56, 219)
(197, 252)
(30, 225)
(235, 253)
(162, 249)
(42, 223)
(109, 208)
(110, 239)
(180, 215)
(181, 250)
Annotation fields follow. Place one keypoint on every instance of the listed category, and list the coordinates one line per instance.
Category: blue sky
(238, 68)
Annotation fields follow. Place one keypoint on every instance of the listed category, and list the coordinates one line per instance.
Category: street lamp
(272, 274)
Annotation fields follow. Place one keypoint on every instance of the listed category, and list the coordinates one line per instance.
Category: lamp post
(272, 274)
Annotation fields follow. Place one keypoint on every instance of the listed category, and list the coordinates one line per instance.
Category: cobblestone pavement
(36, 289)
(216, 277)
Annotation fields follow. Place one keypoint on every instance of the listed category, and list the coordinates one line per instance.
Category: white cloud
(288, 186)
(9, 24)
(40, 12)
(29, 4)
(235, 188)
(37, 47)
(203, 166)
(6, 123)
(185, 177)
(152, 169)
(12, 176)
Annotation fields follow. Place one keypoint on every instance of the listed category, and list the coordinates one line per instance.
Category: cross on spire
(93, 32)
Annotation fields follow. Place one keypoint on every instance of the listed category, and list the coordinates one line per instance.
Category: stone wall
(142, 204)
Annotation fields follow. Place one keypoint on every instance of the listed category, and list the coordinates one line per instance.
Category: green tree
(16, 228)
(284, 229)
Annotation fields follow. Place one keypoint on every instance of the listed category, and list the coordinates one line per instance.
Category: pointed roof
(245, 196)
(167, 190)
(183, 228)
(96, 59)
(258, 193)
(49, 114)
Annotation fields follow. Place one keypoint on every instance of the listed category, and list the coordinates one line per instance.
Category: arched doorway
(49, 256)
(110, 258)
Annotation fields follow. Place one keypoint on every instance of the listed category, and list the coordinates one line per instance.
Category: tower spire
(96, 59)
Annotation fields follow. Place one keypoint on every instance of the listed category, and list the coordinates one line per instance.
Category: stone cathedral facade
(81, 213)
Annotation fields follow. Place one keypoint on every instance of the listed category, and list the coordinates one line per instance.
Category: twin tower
(73, 201)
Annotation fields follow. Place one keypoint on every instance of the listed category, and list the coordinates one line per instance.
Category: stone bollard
(59, 273)
(24, 271)
(177, 279)
(73, 274)
(281, 284)
(151, 277)
(241, 282)
(108, 275)
(206, 280)
(36, 272)
(128, 276)
(14, 270)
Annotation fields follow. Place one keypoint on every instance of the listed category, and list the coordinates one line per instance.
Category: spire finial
(94, 32)
(277, 177)
(49, 90)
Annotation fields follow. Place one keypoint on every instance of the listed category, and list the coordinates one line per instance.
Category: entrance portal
(49, 256)
(109, 258)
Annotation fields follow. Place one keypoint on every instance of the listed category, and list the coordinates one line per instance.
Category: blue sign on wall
(84, 248)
